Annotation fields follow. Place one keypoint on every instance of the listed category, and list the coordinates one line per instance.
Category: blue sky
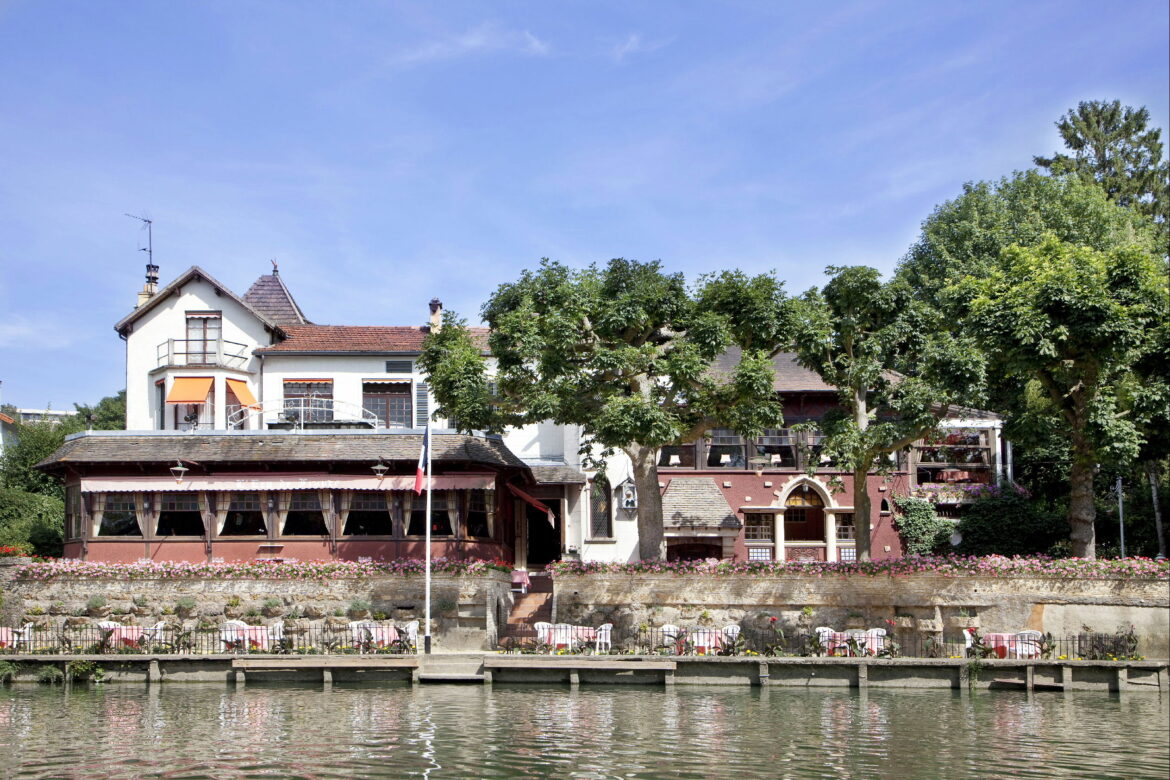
(388, 153)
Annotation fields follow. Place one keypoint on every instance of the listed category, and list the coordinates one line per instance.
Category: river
(212, 731)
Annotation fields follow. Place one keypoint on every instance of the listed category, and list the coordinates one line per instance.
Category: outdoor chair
(411, 631)
(704, 640)
(22, 636)
(362, 633)
(276, 633)
(875, 640)
(604, 638)
(731, 633)
(1028, 644)
(234, 634)
(543, 632)
(825, 637)
(563, 636)
(669, 634)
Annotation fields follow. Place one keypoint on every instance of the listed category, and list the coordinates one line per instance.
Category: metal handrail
(212, 352)
(296, 412)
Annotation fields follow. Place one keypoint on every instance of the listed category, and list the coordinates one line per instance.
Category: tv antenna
(149, 249)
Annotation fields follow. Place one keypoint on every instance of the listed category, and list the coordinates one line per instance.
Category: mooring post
(1066, 677)
(863, 675)
(327, 678)
(1030, 677)
(763, 674)
(153, 673)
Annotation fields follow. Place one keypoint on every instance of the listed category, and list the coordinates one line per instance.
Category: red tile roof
(357, 338)
(6, 418)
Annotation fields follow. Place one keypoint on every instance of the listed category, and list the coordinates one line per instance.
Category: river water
(212, 731)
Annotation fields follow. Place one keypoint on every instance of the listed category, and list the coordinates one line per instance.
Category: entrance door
(544, 541)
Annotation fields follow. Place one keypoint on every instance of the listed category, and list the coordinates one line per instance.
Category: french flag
(421, 472)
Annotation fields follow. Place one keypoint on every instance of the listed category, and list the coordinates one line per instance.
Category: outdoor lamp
(379, 469)
(178, 471)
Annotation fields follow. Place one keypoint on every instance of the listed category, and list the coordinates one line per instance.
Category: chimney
(151, 287)
(436, 315)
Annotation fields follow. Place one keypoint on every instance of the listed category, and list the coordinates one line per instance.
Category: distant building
(43, 415)
(7, 432)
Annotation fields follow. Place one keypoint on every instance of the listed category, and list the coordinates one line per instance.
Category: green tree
(108, 414)
(1114, 148)
(895, 367)
(33, 521)
(1075, 320)
(35, 441)
(624, 352)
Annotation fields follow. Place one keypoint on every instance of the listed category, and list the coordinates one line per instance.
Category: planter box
(960, 621)
(929, 625)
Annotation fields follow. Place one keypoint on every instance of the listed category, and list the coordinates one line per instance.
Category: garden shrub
(920, 527)
(1010, 524)
(31, 521)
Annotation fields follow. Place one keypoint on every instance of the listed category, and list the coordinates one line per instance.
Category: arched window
(885, 506)
(601, 509)
(804, 516)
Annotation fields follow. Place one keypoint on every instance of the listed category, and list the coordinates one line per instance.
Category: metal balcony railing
(202, 352)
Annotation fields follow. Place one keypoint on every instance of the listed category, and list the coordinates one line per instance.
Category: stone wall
(468, 611)
(920, 602)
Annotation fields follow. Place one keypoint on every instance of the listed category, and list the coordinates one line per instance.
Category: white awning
(243, 482)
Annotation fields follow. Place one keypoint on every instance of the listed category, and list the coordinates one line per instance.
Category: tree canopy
(1075, 320)
(896, 370)
(624, 351)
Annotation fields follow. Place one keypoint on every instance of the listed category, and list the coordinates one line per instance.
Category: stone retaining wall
(917, 602)
(468, 611)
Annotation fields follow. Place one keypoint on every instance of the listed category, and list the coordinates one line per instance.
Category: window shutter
(399, 367)
(422, 407)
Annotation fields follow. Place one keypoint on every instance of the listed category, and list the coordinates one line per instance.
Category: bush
(921, 529)
(96, 602)
(32, 522)
(1010, 524)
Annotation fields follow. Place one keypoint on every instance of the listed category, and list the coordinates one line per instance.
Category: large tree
(108, 414)
(1076, 320)
(895, 367)
(1114, 148)
(622, 351)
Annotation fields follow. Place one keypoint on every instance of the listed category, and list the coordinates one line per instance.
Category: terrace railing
(205, 641)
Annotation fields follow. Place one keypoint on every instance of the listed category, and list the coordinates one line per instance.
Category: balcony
(217, 353)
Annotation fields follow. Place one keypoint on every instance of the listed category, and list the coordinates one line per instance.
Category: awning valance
(243, 482)
(243, 394)
(189, 390)
(534, 503)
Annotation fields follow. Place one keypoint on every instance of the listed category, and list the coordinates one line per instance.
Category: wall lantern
(178, 471)
(379, 469)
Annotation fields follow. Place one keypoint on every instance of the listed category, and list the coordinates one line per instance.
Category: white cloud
(633, 44)
(486, 38)
(40, 332)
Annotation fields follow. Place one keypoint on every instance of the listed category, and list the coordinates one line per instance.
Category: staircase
(529, 608)
(450, 668)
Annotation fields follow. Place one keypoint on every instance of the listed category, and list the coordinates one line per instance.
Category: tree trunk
(650, 533)
(861, 512)
(1082, 511)
(1152, 473)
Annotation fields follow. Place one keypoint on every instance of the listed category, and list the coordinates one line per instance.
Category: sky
(387, 153)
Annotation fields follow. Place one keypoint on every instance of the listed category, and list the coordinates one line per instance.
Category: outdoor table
(380, 636)
(256, 636)
(521, 579)
(706, 640)
(1002, 644)
(7, 637)
(130, 636)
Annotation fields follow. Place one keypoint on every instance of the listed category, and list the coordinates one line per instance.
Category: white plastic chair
(1028, 644)
(825, 637)
(22, 635)
(604, 637)
(704, 640)
(108, 625)
(234, 633)
(562, 636)
(151, 633)
(731, 632)
(411, 631)
(358, 632)
(875, 640)
(669, 634)
(276, 632)
(969, 637)
(543, 632)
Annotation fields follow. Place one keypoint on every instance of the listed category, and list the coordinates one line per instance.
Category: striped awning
(269, 481)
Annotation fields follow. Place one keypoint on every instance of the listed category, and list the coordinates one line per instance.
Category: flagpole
(427, 630)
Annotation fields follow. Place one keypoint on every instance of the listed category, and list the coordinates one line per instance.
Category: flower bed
(946, 566)
(12, 552)
(258, 570)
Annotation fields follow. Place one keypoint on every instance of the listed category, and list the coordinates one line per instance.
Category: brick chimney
(151, 287)
(436, 315)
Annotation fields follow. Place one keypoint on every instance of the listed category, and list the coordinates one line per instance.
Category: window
(846, 532)
(179, 515)
(681, 456)
(245, 515)
(203, 333)
(440, 519)
(160, 402)
(399, 366)
(368, 515)
(758, 526)
(804, 515)
(846, 554)
(759, 553)
(601, 509)
(389, 401)
(72, 512)
(119, 515)
(479, 512)
(726, 450)
(309, 400)
(777, 448)
(305, 517)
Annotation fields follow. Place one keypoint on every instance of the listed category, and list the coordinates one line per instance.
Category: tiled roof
(270, 297)
(278, 448)
(557, 475)
(696, 501)
(357, 338)
(790, 376)
(6, 418)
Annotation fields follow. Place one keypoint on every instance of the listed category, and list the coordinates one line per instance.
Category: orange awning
(189, 390)
(243, 394)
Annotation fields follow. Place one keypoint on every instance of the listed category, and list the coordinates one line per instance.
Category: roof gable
(192, 273)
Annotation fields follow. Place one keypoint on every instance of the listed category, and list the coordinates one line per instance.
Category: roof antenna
(151, 268)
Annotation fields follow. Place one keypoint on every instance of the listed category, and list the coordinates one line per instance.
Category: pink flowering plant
(67, 568)
(942, 565)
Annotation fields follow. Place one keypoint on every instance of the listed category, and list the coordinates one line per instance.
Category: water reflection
(192, 731)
